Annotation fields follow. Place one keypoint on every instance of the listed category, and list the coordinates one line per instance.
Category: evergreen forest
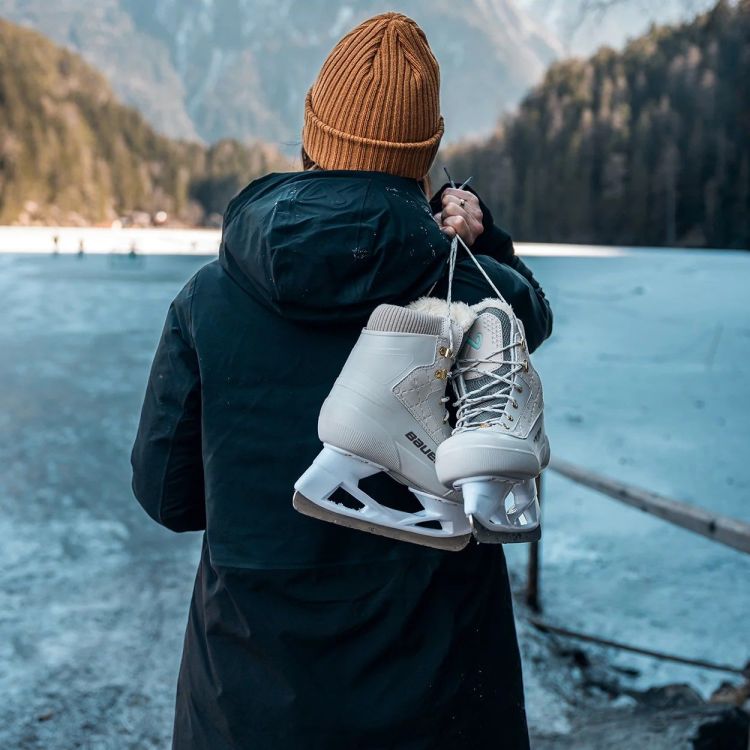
(648, 146)
(70, 152)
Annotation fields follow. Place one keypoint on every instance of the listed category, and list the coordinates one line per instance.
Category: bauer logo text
(423, 447)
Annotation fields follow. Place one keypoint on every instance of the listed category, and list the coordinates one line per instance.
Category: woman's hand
(460, 216)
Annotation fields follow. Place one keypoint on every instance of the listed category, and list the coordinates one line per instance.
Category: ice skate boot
(499, 445)
(387, 413)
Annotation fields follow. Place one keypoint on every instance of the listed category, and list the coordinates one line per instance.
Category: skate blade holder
(335, 470)
(494, 518)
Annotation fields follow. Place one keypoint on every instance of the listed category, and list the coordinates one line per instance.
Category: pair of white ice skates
(387, 412)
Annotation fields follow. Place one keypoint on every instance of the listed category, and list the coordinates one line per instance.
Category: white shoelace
(470, 406)
(467, 406)
(486, 400)
(451, 271)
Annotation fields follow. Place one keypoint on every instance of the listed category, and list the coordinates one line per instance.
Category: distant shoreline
(106, 241)
(165, 241)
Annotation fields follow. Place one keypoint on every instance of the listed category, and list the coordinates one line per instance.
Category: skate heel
(493, 520)
(331, 470)
(329, 491)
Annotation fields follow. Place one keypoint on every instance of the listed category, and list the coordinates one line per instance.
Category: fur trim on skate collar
(461, 313)
(491, 302)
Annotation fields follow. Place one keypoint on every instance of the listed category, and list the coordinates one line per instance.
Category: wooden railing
(719, 528)
(714, 526)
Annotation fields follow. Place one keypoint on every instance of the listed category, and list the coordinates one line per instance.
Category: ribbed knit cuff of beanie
(376, 102)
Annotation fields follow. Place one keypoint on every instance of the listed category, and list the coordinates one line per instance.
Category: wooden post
(533, 600)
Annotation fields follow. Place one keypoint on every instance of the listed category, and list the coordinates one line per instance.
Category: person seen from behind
(302, 634)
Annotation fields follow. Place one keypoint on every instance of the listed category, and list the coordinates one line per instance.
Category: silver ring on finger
(462, 202)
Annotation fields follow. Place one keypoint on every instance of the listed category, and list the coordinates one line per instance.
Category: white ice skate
(499, 445)
(387, 413)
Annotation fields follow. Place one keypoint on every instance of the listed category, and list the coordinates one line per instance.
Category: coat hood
(332, 245)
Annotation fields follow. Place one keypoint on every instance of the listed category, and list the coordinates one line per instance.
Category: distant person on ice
(302, 634)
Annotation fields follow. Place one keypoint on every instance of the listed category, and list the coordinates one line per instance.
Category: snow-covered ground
(105, 241)
(646, 380)
(164, 241)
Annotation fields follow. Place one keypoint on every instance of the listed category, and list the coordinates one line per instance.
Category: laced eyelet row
(445, 351)
(446, 416)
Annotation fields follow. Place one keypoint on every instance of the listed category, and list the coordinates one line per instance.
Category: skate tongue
(493, 331)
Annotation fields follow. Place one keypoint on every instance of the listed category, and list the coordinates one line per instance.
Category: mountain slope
(240, 68)
(649, 146)
(70, 152)
(138, 65)
(585, 25)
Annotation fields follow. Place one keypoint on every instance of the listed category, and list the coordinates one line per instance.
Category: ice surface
(93, 596)
(645, 380)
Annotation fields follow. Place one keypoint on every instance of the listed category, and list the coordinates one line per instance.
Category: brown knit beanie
(376, 103)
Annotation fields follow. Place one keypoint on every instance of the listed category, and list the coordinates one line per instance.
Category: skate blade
(309, 508)
(483, 535)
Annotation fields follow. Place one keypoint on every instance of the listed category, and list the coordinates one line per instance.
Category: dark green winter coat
(303, 634)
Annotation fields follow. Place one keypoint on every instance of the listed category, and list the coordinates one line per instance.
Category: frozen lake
(646, 380)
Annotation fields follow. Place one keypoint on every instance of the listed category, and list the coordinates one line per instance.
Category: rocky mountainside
(240, 68)
(71, 153)
(585, 25)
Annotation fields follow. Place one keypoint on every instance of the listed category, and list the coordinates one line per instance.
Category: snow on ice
(645, 380)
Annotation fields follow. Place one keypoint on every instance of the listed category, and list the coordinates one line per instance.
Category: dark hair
(307, 162)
